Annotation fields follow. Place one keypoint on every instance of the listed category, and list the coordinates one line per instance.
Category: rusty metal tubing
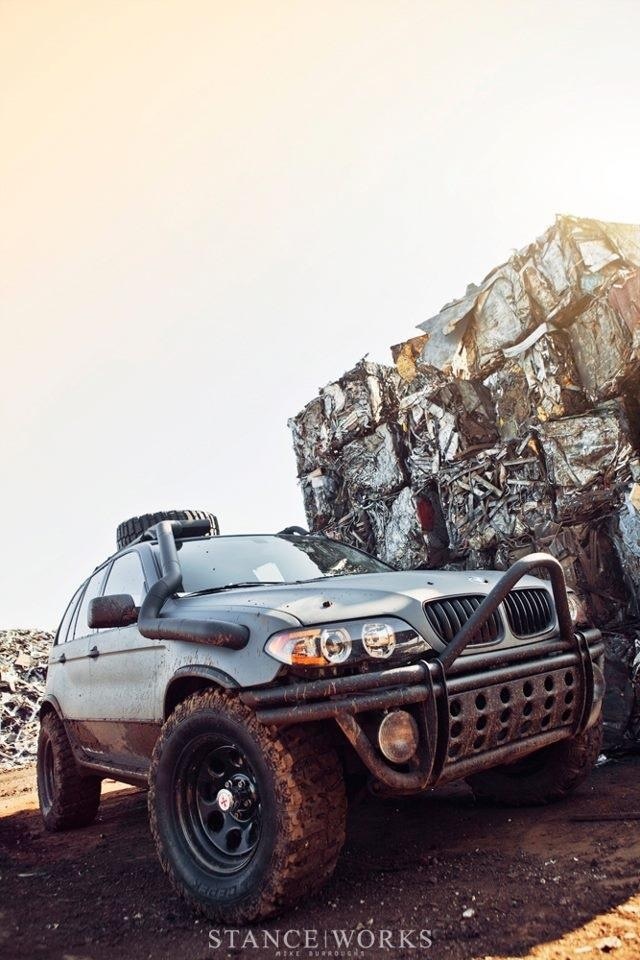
(500, 666)
(278, 711)
(150, 622)
(395, 779)
(323, 710)
(294, 708)
(498, 594)
(507, 656)
(335, 686)
(517, 671)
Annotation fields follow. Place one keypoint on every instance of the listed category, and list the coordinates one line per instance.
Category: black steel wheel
(218, 804)
(246, 820)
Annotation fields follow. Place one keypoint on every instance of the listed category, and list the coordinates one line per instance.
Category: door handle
(94, 652)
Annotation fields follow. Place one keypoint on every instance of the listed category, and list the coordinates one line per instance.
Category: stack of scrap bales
(351, 464)
(554, 335)
(510, 424)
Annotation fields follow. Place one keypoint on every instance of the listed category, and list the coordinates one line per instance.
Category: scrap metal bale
(351, 407)
(634, 725)
(619, 699)
(500, 497)
(466, 338)
(373, 464)
(548, 281)
(406, 357)
(355, 529)
(398, 535)
(588, 460)
(358, 402)
(325, 497)
(311, 436)
(443, 422)
(389, 528)
(606, 339)
(591, 567)
(539, 381)
(625, 531)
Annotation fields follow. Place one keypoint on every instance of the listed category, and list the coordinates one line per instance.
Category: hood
(393, 593)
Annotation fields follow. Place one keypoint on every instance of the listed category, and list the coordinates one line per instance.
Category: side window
(82, 628)
(127, 576)
(61, 635)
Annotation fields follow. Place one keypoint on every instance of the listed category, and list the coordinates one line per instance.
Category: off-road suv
(250, 680)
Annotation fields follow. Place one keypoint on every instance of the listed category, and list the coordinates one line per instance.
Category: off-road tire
(67, 799)
(547, 775)
(302, 803)
(129, 530)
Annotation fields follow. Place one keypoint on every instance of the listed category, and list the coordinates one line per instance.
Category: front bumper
(472, 713)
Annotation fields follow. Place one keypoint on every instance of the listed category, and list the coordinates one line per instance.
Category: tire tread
(129, 530)
(78, 796)
(569, 763)
(312, 810)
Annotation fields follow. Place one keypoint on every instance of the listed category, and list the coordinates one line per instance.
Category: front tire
(67, 799)
(544, 776)
(246, 820)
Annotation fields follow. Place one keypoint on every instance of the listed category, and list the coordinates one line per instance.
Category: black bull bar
(433, 685)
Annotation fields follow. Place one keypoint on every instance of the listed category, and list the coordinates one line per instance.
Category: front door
(124, 679)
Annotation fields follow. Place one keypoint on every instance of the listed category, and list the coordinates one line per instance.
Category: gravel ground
(484, 881)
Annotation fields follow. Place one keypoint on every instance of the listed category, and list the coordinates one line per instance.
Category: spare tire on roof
(129, 530)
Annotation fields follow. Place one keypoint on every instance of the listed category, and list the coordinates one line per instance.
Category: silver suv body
(412, 677)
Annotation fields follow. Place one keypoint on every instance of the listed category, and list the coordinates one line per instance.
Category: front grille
(449, 615)
(529, 611)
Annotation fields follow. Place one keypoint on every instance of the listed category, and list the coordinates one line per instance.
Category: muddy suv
(252, 681)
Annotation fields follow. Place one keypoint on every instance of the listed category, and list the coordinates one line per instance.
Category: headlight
(334, 644)
(576, 608)
(378, 639)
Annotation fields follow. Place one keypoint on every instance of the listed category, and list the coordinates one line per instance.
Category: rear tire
(246, 820)
(67, 799)
(544, 776)
(129, 530)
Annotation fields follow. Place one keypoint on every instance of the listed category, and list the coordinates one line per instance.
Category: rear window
(63, 629)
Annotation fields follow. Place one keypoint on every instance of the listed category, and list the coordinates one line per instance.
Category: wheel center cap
(225, 799)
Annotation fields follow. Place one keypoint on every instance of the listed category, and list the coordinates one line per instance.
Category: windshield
(216, 562)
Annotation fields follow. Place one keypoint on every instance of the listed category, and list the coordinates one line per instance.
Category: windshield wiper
(232, 586)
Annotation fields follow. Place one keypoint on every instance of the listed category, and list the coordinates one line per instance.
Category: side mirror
(117, 610)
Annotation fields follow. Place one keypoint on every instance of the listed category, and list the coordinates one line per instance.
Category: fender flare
(202, 672)
(48, 704)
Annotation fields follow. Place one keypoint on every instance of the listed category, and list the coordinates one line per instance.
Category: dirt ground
(485, 882)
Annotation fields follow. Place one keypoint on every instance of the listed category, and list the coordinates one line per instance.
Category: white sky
(209, 209)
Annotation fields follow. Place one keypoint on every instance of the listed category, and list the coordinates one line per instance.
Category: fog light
(398, 736)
